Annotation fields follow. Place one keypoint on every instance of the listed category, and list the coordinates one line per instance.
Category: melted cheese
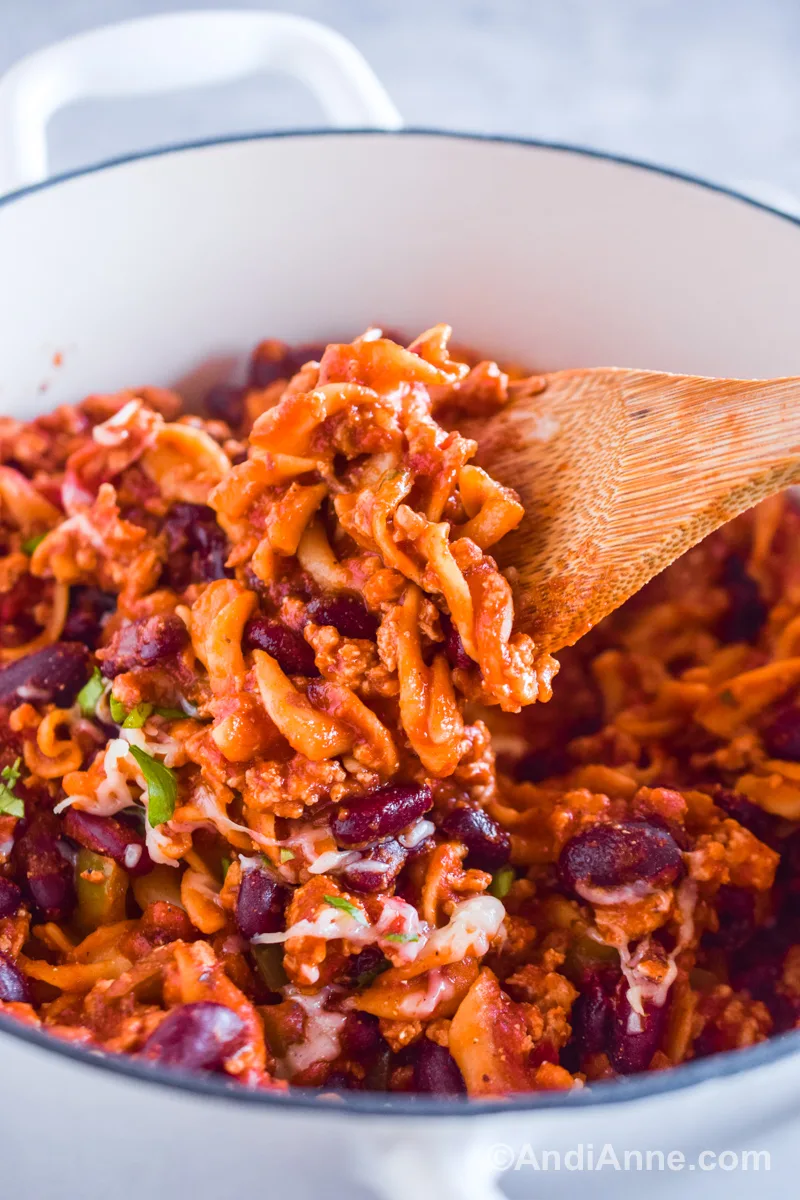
(417, 833)
(321, 1034)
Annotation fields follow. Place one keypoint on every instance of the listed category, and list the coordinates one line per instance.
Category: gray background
(709, 86)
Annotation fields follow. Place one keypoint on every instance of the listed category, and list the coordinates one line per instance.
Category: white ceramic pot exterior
(167, 269)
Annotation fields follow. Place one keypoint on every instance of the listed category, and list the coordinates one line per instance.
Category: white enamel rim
(614, 1092)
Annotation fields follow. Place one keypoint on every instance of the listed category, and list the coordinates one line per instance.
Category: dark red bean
(360, 1037)
(10, 897)
(260, 904)
(488, 845)
(591, 1017)
(289, 649)
(540, 765)
(108, 836)
(365, 967)
(348, 614)
(359, 877)
(54, 675)
(747, 612)
(453, 645)
(764, 825)
(226, 403)
(197, 1037)
(631, 1051)
(198, 547)
(88, 609)
(782, 736)
(143, 643)
(436, 1072)
(736, 912)
(13, 984)
(273, 360)
(617, 855)
(380, 814)
(46, 876)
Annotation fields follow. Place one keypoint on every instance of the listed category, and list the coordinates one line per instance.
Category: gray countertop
(707, 86)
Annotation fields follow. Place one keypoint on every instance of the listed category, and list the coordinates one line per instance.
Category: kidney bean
(88, 608)
(764, 825)
(198, 547)
(273, 360)
(260, 904)
(453, 645)
(108, 836)
(436, 1072)
(591, 1016)
(10, 897)
(143, 643)
(631, 1051)
(13, 984)
(616, 855)
(365, 967)
(736, 910)
(782, 736)
(289, 649)
(53, 675)
(348, 614)
(198, 1037)
(488, 845)
(380, 814)
(226, 403)
(747, 612)
(542, 764)
(47, 877)
(361, 877)
(360, 1037)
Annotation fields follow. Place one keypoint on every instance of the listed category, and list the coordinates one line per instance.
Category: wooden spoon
(622, 471)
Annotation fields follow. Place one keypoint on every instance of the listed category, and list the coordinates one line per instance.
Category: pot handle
(174, 51)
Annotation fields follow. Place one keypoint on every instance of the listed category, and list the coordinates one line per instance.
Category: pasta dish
(282, 795)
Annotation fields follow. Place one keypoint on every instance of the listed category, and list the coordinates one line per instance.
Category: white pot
(149, 270)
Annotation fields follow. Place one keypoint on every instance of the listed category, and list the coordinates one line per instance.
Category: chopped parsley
(162, 787)
(225, 864)
(401, 937)
(90, 693)
(346, 906)
(727, 697)
(118, 711)
(170, 714)
(287, 856)
(30, 544)
(137, 716)
(10, 804)
(501, 882)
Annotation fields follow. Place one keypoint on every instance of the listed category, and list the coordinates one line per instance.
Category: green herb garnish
(90, 693)
(287, 856)
(10, 804)
(30, 544)
(170, 714)
(118, 711)
(727, 697)
(225, 864)
(346, 906)
(501, 882)
(401, 937)
(162, 787)
(137, 716)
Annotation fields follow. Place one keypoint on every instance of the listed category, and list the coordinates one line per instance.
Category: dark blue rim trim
(638, 1087)
(410, 131)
